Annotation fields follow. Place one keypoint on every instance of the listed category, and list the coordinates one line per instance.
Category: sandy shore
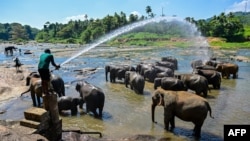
(11, 82)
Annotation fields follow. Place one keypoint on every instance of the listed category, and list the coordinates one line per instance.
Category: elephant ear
(170, 97)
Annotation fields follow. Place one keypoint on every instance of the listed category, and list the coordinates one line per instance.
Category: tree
(148, 10)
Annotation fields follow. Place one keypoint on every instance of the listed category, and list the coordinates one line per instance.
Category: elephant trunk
(153, 112)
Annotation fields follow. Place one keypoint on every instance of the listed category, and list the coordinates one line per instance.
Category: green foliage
(17, 32)
(233, 27)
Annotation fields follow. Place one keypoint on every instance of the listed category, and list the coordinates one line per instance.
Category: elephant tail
(209, 109)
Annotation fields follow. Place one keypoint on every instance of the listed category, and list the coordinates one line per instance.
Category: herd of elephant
(91, 95)
(173, 93)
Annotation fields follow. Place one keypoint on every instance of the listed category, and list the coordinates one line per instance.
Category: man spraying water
(43, 68)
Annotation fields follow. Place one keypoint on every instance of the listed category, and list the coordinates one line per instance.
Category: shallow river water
(127, 113)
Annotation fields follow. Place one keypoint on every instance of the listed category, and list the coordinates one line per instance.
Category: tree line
(229, 26)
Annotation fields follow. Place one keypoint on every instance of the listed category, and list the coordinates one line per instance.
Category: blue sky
(37, 12)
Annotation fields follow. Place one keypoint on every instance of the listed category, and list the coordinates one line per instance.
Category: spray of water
(125, 29)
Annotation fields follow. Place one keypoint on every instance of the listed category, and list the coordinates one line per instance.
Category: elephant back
(58, 85)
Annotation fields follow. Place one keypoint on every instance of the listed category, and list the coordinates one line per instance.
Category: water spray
(120, 31)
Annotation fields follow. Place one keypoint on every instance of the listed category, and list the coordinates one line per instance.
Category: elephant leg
(100, 112)
(197, 130)
(33, 97)
(167, 117)
(38, 101)
(73, 110)
(94, 111)
(172, 123)
(234, 75)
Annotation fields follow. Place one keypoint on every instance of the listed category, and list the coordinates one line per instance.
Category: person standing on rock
(43, 68)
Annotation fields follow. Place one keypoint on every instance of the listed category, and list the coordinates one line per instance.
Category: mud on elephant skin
(182, 104)
(93, 96)
(69, 103)
(135, 80)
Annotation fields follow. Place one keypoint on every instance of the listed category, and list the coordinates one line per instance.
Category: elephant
(117, 71)
(214, 63)
(9, 50)
(169, 83)
(213, 77)
(196, 63)
(165, 64)
(157, 71)
(182, 104)
(92, 95)
(172, 60)
(34, 81)
(205, 67)
(195, 82)
(58, 85)
(69, 103)
(135, 80)
(142, 67)
(227, 69)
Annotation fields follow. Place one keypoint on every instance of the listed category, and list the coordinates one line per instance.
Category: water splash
(128, 28)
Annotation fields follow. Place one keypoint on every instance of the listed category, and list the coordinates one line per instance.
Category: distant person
(20, 51)
(18, 64)
(43, 68)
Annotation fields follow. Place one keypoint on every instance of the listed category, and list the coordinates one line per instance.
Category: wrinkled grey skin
(69, 103)
(169, 83)
(213, 77)
(172, 60)
(117, 71)
(92, 95)
(195, 82)
(182, 104)
(135, 80)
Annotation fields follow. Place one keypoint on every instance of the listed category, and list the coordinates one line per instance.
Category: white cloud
(243, 6)
(136, 13)
(77, 17)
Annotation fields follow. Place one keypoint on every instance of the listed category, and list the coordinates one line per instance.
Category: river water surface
(127, 113)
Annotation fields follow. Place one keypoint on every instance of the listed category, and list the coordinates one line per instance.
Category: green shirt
(45, 60)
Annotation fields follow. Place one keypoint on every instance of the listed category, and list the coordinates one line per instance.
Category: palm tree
(148, 10)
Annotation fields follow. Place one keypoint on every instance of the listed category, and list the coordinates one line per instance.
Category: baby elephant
(69, 103)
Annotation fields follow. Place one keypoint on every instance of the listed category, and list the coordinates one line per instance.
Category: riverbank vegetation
(230, 30)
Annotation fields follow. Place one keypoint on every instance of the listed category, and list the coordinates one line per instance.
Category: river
(127, 113)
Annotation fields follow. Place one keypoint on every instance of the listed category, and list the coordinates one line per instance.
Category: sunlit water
(126, 113)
